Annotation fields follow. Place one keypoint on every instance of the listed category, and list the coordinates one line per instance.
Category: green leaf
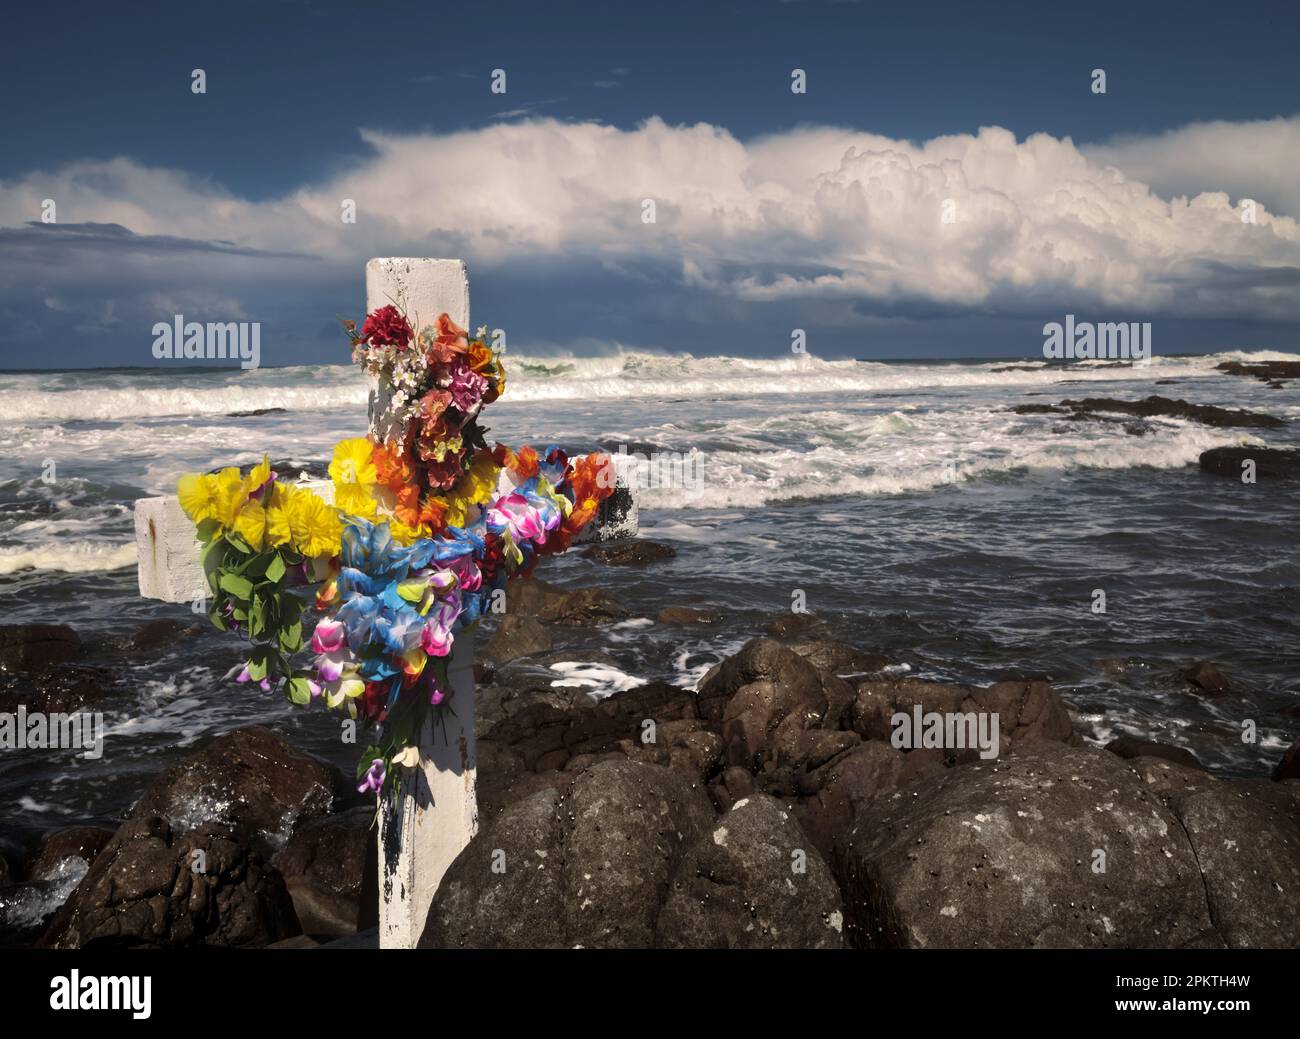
(257, 666)
(275, 570)
(299, 691)
(207, 529)
(291, 637)
(239, 587)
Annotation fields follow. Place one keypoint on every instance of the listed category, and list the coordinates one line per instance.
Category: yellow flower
(197, 494)
(314, 526)
(353, 472)
(278, 532)
(257, 476)
(404, 535)
(251, 524)
(228, 497)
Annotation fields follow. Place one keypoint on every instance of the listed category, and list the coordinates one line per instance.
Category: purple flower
(467, 387)
(373, 781)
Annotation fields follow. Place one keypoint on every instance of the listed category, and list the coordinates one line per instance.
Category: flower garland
(425, 527)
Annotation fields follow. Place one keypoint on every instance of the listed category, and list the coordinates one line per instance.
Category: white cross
(437, 812)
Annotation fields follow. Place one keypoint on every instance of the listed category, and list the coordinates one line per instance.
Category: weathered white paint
(437, 811)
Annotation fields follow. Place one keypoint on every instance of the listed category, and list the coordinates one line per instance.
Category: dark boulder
(153, 888)
(1271, 463)
(325, 868)
(839, 658)
(582, 607)
(1289, 766)
(787, 625)
(1246, 837)
(33, 647)
(63, 689)
(629, 553)
(78, 842)
(1164, 407)
(586, 864)
(753, 881)
(516, 636)
(248, 778)
(1008, 854)
(1206, 677)
(1265, 371)
(529, 596)
(688, 615)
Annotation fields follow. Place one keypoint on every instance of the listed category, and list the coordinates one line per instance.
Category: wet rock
(1289, 766)
(160, 633)
(1001, 855)
(516, 636)
(146, 889)
(1246, 837)
(688, 615)
(583, 606)
(78, 842)
(255, 412)
(248, 778)
(753, 881)
(1027, 711)
(530, 595)
(6, 873)
(1265, 371)
(630, 553)
(66, 689)
(1163, 776)
(324, 866)
(808, 625)
(1156, 406)
(1271, 463)
(585, 865)
(1206, 677)
(759, 660)
(1132, 747)
(839, 658)
(34, 647)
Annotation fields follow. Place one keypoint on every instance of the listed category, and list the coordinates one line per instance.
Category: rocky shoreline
(770, 808)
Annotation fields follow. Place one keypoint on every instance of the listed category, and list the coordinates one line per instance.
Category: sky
(949, 181)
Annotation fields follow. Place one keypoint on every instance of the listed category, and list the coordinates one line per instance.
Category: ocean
(904, 502)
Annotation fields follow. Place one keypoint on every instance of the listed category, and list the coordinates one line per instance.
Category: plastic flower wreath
(423, 529)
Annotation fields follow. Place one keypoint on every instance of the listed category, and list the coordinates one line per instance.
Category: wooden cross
(436, 812)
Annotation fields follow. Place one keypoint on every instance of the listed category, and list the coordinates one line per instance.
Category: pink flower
(328, 636)
(513, 512)
(467, 387)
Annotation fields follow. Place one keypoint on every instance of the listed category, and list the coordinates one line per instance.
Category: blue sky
(220, 203)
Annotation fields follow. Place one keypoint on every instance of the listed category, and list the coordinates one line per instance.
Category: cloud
(850, 222)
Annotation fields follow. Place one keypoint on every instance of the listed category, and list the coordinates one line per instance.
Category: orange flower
(449, 340)
(480, 355)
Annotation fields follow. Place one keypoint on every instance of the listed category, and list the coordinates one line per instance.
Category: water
(905, 501)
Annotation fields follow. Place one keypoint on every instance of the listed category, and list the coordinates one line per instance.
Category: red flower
(387, 327)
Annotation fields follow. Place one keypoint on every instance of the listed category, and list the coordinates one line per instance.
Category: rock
(1028, 711)
(1265, 371)
(688, 615)
(583, 606)
(324, 866)
(78, 842)
(1156, 406)
(530, 595)
(1163, 776)
(516, 636)
(839, 658)
(145, 890)
(630, 553)
(1289, 766)
(759, 660)
(65, 689)
(1271, 463)
(588, 864)
(160, 633)
(247, 778)
(788, 624)
(1246, 837)
(1132, 747)
(32, 647)
(1207, 677)
(753, 882)
(1001, 855)
(869, 770)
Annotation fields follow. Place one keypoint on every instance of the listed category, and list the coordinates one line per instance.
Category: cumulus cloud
(854, 221)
